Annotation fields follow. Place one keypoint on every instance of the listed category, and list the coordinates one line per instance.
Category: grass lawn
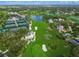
(35, 48)
(74, 19)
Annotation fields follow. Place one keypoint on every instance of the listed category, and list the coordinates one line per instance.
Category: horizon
(39, 2)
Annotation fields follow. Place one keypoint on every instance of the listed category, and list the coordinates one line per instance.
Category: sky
(39, 2)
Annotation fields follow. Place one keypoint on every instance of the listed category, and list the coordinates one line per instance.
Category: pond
(50, 13)
(37, 18)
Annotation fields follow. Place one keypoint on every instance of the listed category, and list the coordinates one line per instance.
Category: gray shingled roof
(10, 25)
(74, 41)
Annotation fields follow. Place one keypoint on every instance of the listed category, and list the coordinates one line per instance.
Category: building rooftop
(11, 24)
(74, 41)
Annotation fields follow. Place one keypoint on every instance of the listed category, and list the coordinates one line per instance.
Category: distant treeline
(39, 7)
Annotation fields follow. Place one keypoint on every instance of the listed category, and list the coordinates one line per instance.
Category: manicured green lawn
(35, 48)
(74, 19)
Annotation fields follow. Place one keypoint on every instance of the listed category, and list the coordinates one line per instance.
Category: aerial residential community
(50, 30)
